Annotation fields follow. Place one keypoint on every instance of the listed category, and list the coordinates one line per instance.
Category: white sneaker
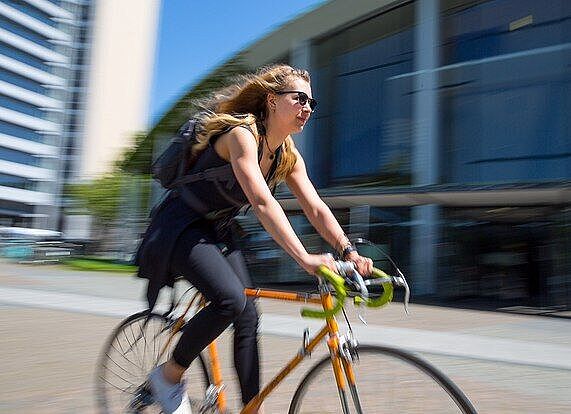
(172, 397)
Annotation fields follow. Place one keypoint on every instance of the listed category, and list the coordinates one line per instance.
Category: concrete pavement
(492, 336)
(537, 352)
(54, 322)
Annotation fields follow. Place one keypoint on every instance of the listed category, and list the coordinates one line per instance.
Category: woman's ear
(271, 101)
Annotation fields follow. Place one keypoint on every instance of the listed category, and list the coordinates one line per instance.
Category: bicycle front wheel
(388, 380)
(134, 348)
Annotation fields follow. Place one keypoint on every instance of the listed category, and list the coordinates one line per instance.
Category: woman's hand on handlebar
(312, 262)
(363, 264)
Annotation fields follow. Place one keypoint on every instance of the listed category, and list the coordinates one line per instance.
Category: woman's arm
(320, 215)
(243, 155)
(317, 212)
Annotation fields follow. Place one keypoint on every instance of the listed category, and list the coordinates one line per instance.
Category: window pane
(505, 91)
(366, 116)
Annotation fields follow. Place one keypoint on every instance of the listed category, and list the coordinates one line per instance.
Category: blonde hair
(245, 103)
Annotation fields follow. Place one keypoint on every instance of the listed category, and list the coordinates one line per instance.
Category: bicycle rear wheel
(387, 381)
(131, 352)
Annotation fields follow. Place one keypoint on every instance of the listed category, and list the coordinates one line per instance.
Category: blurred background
(442, 134)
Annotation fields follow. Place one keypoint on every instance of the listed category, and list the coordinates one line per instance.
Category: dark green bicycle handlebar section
(338, 283)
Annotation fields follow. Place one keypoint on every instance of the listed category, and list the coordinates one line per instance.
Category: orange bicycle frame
(341, 368)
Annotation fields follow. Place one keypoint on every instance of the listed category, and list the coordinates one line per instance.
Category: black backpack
(171, 168)
(174, 162)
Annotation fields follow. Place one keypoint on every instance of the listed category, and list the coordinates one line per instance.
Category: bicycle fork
(342, 349)
(343, 355)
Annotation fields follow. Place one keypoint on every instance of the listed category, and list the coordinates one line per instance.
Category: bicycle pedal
(208, 405)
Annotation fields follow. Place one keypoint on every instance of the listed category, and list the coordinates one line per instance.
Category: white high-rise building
(36, 40)
(74, 87)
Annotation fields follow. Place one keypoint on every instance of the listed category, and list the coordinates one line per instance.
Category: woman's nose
(306, 108)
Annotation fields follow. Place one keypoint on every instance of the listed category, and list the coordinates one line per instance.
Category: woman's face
(289, 112)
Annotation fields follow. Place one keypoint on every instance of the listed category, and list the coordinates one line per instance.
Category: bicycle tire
(124, 364)
(384, 399)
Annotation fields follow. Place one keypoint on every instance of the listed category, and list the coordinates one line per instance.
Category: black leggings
(221, 278)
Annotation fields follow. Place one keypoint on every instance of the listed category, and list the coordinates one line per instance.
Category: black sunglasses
(302, 98)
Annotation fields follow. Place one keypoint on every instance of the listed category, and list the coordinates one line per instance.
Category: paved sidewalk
(492, 336)
(49, 359)
(278, 319)
(53, 323)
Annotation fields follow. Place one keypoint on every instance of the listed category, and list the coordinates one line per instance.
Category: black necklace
(272, 153)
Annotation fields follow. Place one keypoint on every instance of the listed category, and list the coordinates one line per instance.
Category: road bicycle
(353, 378)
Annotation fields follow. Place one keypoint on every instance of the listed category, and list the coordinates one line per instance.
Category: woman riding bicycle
(249, 127)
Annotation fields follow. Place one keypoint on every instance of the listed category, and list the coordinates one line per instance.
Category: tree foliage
(101, 197)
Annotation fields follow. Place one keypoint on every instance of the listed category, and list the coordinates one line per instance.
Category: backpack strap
(222, 172)
(214, 174)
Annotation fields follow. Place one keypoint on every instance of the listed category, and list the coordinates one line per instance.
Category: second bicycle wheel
(387, 380)
(132, 351)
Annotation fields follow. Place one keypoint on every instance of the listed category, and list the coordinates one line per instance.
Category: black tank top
(219, 193)
(216, 189)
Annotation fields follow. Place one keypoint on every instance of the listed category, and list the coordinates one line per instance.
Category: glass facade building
(443, 135)
(42, 48)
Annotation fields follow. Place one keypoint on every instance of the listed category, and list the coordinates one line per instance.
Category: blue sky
(196, 36)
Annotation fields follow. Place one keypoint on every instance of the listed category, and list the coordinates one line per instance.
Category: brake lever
(348, 270)
(358, 279)
(400, 280)
(361, 284)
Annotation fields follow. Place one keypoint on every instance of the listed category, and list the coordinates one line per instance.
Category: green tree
(100, 196)
(118, 205)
